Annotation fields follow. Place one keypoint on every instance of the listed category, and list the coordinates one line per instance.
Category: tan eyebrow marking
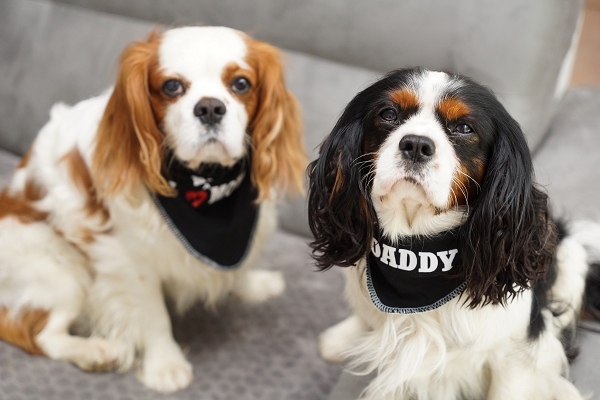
(405, 98)
(452, 109)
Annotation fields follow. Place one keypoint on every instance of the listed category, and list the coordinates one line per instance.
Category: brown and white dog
(81, 238)
(461, 284)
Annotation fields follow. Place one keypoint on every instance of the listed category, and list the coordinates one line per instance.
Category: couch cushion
(516, 47)
(8, 162)
(52, 53)
(567, 163)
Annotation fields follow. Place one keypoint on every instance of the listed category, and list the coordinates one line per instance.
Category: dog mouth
(210, 136)
(411, 179)
(402, 177)
(211, 150)
(405, 185)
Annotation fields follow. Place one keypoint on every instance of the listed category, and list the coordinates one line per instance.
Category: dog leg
(90, 354)
(165, 368)
(129, 305)
(532, 375)
(336, 341)
(44, 282)
(256, 286)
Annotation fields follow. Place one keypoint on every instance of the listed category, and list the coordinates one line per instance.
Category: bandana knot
(214, 214)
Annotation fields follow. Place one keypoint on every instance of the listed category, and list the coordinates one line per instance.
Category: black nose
(210, 110)
(417, 148)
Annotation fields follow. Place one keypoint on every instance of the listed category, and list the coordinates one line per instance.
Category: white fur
(405, 208)
(116, 284)
(437, 355)
(216, 48)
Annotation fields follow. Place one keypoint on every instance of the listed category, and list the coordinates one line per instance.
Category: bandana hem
(195, 253)
(410, 310)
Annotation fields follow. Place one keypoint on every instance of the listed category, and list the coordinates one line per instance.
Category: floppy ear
(509, 239)
(340, 213)
(279, 157)
(128, 142)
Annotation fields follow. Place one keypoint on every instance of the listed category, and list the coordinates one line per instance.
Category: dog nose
(417, 148)
(210, 110)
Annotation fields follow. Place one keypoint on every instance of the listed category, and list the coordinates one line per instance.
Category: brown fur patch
(80, 175)
(466, 183)
(129, 144)
(20, 205)
(405, 98)
(22, 330)
(250, 98)
(275, 126)
(452, 109)
(25, 159)
(158, 98)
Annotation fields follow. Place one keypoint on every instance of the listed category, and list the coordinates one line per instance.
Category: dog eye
(240, 85)
(388, 114)
(173, 88)
(463, 129)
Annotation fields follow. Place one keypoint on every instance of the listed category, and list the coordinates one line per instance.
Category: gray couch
(65, 51)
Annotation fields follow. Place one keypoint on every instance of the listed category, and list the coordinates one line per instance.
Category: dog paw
(330, 348)
(335, 342)
(260, 285)
(167, 376)
(565, 390)
(100, 355)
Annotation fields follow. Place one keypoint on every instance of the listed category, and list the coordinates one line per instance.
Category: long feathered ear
(279, 157)
(128, 142)
(340, 213)
(509, 239)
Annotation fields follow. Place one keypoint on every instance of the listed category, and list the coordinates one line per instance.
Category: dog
(164, 185)
(460, 282)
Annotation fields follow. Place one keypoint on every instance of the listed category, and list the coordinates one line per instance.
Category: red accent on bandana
(196, 197)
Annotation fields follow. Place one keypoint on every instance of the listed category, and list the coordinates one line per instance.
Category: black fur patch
(540, 300)
(592, 291)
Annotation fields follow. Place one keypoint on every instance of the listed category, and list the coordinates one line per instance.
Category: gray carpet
(261, 352)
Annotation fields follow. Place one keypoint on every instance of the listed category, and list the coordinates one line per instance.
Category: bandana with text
(414, 275)
(214, 213)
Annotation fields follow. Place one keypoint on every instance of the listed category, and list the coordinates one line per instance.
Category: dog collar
(214, 213)
(416, 274)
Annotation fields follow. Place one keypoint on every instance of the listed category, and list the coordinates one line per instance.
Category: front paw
(337, 341)
(99, 354)
(260, 285)
(167, 376)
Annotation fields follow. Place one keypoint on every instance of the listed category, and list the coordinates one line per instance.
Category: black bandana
(415, 275)
(214, 213)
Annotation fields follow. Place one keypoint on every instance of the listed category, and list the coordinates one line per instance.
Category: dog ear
(339, 212)
(279, 157)
(128, 141)
(509, 239)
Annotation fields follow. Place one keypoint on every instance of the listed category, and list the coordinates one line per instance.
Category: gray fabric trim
(406, 311)
(193, 251)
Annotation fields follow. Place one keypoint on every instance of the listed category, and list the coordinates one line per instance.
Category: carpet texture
(243, 352)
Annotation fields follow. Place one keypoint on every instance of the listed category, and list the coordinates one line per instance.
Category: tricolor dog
(461, 284)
